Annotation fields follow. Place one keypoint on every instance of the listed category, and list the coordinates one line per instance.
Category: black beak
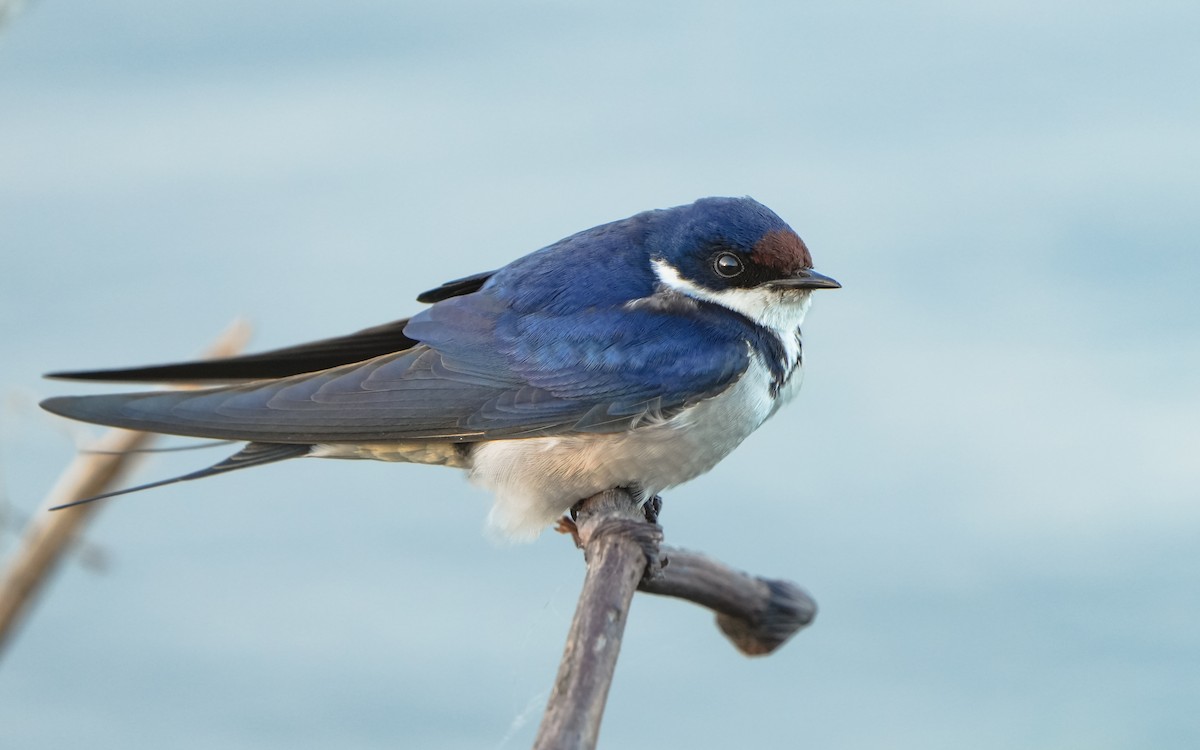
(806, 279)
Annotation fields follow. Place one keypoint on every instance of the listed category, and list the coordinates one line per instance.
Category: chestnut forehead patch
(781, 250)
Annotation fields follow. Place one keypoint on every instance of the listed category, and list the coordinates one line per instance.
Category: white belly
(536, 480)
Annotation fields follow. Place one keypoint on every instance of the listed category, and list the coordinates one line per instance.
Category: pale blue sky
(990, 481)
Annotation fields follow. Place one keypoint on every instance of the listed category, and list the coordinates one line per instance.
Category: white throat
(779, 312)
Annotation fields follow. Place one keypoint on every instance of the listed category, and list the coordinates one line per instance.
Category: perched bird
(634, 354)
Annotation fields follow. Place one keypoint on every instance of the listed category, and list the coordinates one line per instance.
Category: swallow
(635, 354)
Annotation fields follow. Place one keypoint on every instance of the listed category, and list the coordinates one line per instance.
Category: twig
(757, 614)
(617, 542)
(623, 553)
(49, 535)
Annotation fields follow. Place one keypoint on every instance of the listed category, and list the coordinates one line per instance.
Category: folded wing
(479, 375)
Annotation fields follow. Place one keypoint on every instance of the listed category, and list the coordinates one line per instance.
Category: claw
(651, 508)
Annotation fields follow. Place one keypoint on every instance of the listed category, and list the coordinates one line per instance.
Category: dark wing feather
(277, 363)
(254, 454)
(455, 288)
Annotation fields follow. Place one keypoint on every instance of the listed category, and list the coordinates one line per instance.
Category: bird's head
(737, 253)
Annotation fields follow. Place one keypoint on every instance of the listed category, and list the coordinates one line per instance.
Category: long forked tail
(254, 454)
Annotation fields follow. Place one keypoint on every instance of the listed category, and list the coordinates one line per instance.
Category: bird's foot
(652, 507)
(567, 525)
(648, 534)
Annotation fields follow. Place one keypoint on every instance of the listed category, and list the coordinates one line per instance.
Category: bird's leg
(651, 506)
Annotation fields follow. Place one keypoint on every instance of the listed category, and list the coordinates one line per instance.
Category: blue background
(990, 481)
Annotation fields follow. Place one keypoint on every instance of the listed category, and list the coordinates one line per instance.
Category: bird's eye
(728, 265)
